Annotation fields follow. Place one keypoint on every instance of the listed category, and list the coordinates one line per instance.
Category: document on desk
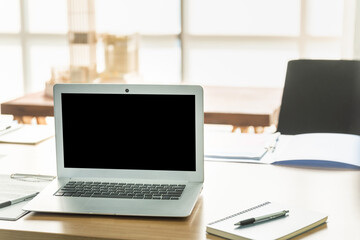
(324, 150)
(8, 126)
(11, 189)
(238, 147)
(28, 134)
(319, 150)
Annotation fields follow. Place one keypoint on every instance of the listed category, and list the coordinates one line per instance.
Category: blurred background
(207, 42)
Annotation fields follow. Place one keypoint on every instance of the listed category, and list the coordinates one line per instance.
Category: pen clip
(274, 142)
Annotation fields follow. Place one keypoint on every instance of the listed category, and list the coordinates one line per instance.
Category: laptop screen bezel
(192, 176)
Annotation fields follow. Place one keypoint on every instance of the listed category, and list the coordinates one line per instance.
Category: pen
(5, 128)
(9, 203)
(272, 146)
(7, 125)
(262, 218)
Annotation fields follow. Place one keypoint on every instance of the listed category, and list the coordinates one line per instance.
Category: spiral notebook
(296, 222)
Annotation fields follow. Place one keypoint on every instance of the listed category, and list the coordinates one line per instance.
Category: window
(249, 42)
(33, 38)
(210, 42)
(158, 22)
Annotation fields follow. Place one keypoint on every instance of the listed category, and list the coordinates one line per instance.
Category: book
(326, 150)
(296, 222)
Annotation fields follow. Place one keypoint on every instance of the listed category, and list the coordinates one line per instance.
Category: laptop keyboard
(121, 190)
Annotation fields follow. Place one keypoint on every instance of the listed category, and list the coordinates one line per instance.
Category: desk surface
(229, 187)
(236, 106)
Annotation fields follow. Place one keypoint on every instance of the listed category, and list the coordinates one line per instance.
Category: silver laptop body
(149, 135)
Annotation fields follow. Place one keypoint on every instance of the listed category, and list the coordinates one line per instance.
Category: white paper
(321, 150)
(11, 189)
(237, 146)
(28, 134)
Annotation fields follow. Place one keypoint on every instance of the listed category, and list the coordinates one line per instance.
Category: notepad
(11, 189)
(296, 222)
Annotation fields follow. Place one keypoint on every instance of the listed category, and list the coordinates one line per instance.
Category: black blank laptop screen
(129, 131)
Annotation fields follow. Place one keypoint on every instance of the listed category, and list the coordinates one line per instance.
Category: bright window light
(144, 16)
(325, 18)
(47, 16)
(9, 16)
(242, 64)
(43, 57)
(11, 83)
(160, 61)
(244, 17)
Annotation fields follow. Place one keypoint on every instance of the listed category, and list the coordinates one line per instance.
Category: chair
(321, 96)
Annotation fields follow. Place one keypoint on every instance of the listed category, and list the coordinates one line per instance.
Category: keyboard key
(138, 197)
(85, 195)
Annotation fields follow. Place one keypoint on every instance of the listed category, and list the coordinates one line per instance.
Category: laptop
(122, 149)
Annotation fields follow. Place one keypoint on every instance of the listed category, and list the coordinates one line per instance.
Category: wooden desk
(334, 192)
(29, 106)
(242, 107)
(237, 106)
